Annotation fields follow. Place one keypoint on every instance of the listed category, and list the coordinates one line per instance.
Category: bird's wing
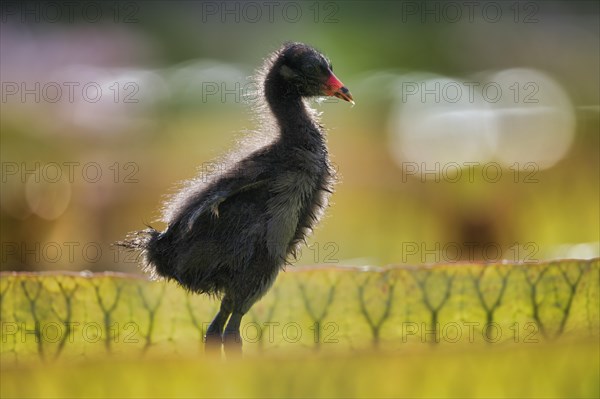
(211, 204)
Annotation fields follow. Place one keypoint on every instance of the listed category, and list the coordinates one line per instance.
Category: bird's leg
(232, 339)
(213, 339)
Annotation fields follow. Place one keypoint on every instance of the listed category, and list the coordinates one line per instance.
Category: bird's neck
(296, 126)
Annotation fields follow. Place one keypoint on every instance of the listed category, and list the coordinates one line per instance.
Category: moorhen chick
(229, 236)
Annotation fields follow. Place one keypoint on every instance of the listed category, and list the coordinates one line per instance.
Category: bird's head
(310, 72)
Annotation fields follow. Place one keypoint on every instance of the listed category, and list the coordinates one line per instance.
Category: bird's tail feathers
(138, 240)
(144, 243)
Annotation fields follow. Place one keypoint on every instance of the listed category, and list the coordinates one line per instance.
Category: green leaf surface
(56, 315)
(556, 370)
(492, 330)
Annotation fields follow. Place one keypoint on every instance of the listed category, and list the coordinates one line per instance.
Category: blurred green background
(474, 137)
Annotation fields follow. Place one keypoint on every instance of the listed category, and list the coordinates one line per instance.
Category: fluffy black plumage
(229, 236)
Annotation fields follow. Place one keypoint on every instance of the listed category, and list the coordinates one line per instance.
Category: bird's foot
(232, 343)
(213, 342)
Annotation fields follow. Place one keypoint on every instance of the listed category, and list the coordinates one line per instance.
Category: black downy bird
(230, 236)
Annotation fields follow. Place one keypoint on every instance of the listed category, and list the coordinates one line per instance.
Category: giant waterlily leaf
(51, 316)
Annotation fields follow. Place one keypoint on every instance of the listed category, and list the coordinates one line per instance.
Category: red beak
(333, 87)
